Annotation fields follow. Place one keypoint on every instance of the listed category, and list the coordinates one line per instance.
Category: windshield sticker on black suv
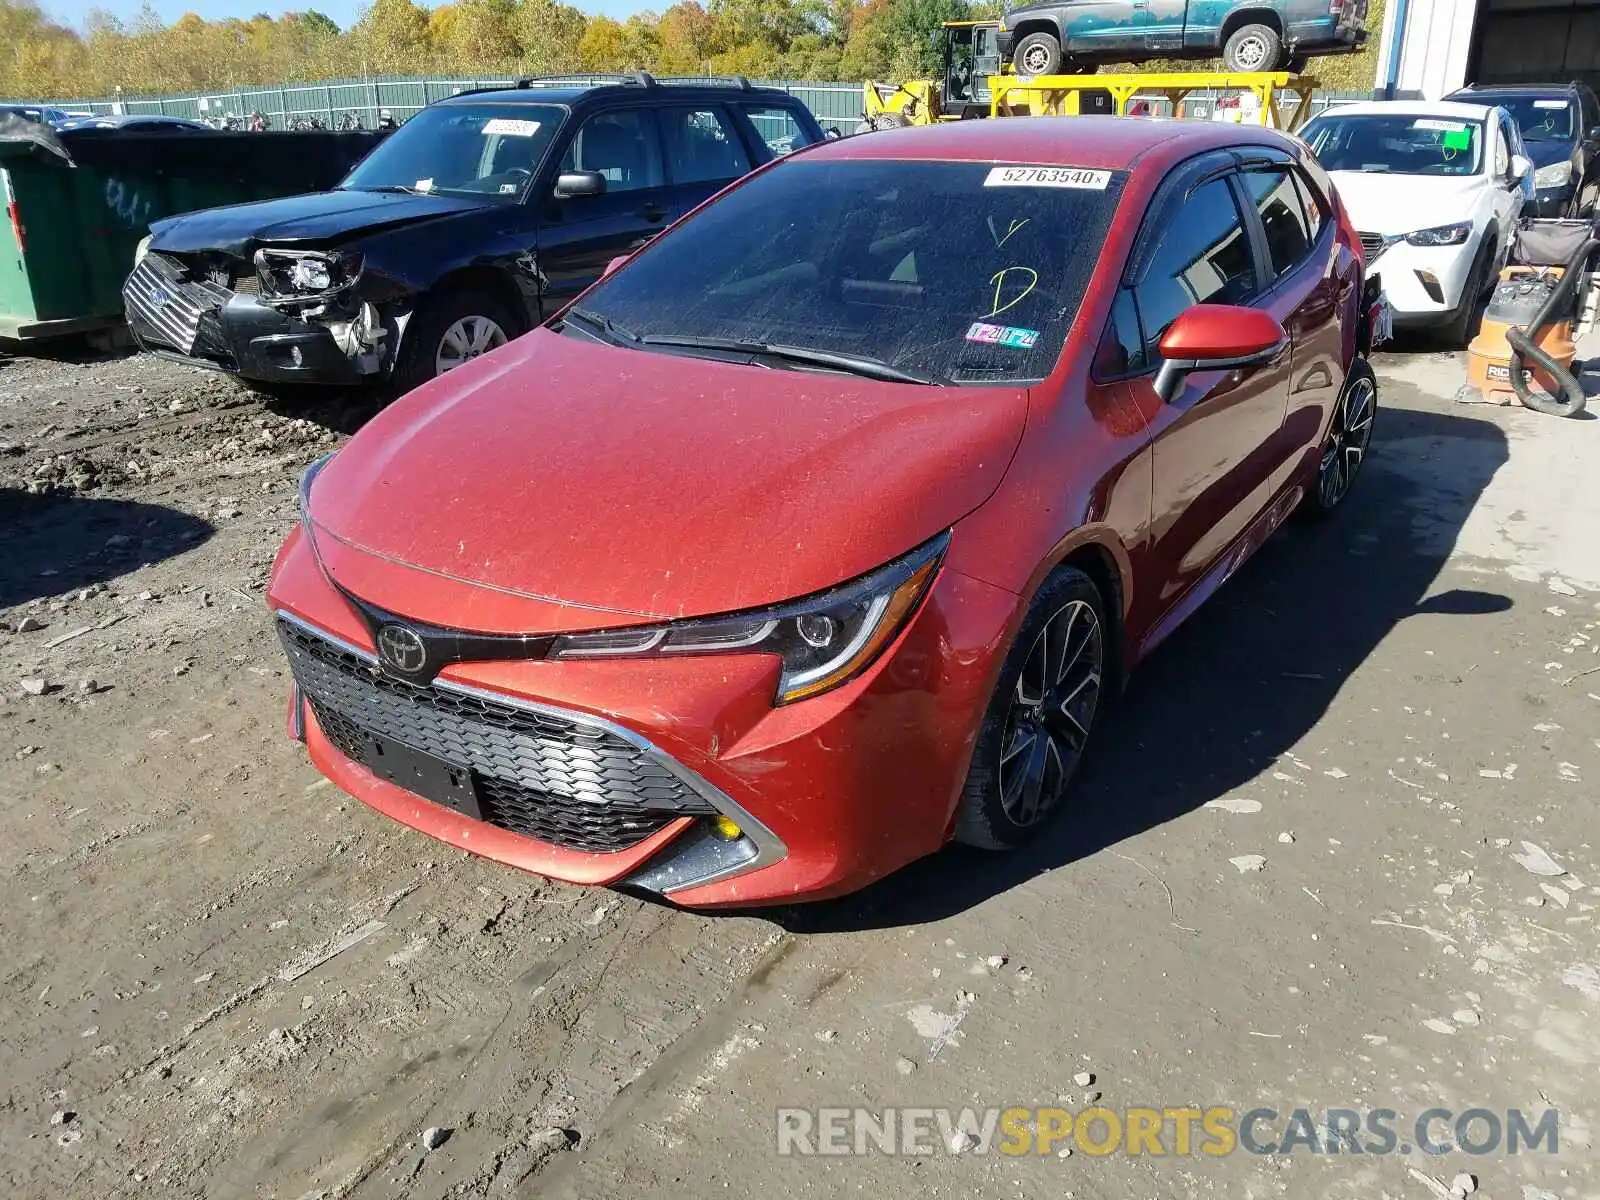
(1057, 177)
(1003, 335)
(510, 127)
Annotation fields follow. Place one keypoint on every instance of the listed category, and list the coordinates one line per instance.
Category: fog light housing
(296, 357)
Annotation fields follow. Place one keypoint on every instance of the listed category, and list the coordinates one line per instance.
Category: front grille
(169, 305)
(1373, 244)
(540, 774)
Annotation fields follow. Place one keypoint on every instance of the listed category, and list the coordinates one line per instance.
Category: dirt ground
(220, 977)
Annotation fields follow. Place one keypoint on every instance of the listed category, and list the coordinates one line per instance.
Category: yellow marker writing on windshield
(999, 281)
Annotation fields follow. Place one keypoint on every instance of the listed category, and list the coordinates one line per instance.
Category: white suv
(1435, 189)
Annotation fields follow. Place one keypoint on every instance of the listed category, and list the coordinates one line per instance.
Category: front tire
(1459, 330)
(1253, 48)
(1040, 717)
(1037, 54)
(1344, 451)
(449, 330)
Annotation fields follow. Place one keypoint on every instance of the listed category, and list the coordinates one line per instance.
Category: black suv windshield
(1400, 145)
(488, 150)
(1541, 118)
(947, 272)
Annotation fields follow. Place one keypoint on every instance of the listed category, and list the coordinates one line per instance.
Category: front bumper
(210, 325)
(1424, 284)
(829, 793)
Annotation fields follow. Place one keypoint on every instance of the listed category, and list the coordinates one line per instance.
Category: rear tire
(1253, 48)
(1040, 718)
(474, 322)
(1037, 54)
(1349, 440)
(890, 120)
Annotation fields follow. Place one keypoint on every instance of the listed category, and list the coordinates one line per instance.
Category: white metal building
(1444, 44)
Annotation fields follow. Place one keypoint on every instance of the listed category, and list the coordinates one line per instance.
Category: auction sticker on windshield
(511, 128)
(1058, 177)
(1439, 126)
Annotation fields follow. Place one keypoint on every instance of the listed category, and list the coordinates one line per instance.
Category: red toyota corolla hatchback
(819, 533)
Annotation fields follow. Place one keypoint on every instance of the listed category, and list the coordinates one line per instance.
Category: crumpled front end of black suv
(281, 316)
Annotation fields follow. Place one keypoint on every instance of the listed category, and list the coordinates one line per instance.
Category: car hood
(1543, 153)
(1383, 203)
(565, 484)
(322, 217)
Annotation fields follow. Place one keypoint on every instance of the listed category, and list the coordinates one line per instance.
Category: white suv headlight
(1441, 235)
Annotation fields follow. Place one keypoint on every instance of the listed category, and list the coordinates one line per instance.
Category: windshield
(1398, 145)
(490, 150)
(1541, 119)
(953, 272)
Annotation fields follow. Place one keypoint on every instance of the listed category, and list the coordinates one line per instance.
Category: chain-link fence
(345, 103)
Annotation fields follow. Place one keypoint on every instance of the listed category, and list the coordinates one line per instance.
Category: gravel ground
(223, 978)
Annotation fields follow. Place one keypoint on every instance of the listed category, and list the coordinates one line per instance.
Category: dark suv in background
(1560, 125)
(479, 217)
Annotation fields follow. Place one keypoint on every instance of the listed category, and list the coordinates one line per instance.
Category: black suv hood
(1544, 153)
(320, 217)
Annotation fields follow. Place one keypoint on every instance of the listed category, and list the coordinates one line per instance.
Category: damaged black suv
(479, 217)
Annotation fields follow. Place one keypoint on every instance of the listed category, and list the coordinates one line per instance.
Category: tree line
(769, 39)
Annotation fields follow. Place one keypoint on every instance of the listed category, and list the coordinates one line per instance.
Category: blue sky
(72, 12)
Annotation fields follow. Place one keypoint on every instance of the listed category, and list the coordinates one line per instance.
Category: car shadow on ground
(1247, 677)
(51, 544)
(340, 409)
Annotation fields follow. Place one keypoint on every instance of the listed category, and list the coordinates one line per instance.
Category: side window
(621, 146)
(1313, 203)
(1588, 111)
(1284, 220)
(777, 127)
(701, 146)
(1502, 147)
(1122, 349)
(1203, 257)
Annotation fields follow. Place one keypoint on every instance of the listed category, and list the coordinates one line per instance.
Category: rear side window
(1203, 257)
(701, 146)
(1313, 202)
(1283, 218)
(778, 128)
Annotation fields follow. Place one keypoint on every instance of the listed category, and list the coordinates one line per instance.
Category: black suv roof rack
(633, 79)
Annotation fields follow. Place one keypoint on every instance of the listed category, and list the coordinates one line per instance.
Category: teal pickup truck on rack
(1073, 36)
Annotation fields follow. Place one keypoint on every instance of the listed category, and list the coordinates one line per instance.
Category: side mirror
(614, 264)
(1594, 134)
(1521, 167)
(572, 184)
(1216, 337)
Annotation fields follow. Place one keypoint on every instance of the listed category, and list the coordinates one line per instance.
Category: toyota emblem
(402, 649)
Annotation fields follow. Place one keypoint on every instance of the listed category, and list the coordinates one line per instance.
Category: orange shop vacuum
(1524, 350)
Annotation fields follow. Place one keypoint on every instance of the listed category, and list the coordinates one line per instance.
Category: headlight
(307, 477)
(1555, 175)
(306, 272)
(1441, 235)
(141, 249)
(824, 640)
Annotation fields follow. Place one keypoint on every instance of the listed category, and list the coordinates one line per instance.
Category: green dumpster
(78, 203)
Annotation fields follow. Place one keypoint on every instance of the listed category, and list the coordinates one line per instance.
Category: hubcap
(1251, 52)
(466, 340)
(1051, 713)
(1347, 442)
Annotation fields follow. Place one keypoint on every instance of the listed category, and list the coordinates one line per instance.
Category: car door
(1216, 446)
(1309, 286)
(703, 153)
(578, 236)
(1508, 191)
(1096, 26)
(1588, 147)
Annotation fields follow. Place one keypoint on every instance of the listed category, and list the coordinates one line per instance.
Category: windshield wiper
(616, 334)
(854, 364)
(389, 187)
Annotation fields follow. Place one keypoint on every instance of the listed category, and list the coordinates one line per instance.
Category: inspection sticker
(510, 127)
(1444, 126)
(1003, 335)
(1057, 177)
